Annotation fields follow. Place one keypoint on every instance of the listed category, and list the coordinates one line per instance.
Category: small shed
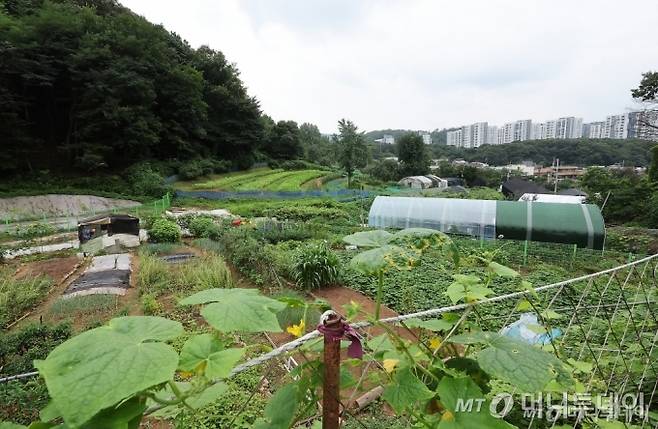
(416, 182)
(515, 188)
(437, 182)
(97, 226)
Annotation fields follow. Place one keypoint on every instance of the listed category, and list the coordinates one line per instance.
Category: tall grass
(18, 296)
(155, 277)
(83, 305)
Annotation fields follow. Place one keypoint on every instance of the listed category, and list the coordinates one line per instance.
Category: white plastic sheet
(456, 216)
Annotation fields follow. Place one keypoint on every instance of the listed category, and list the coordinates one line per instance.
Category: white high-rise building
(478, 134)
(643, 125)
(616, 127)
(569, 128)
(492, 135)
(454, 138)
(506, 133)
(427, 138)
(522, 130)
(594, 130)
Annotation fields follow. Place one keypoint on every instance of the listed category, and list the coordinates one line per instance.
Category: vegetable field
(263, 179)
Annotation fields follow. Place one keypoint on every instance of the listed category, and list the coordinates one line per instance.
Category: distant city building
(522, 130)
(564, 128)
(616, 127)
(492, 135)
(427, 138)
(569, 128)
(506, 133)
(594, 130)
(388, 139)
(643, 125)
(454, 138)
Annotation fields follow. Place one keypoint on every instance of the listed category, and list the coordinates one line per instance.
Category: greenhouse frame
(578, 224)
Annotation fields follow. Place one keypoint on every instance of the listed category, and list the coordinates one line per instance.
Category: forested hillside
(87, 85)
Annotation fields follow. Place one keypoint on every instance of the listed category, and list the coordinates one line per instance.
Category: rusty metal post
(331, 382)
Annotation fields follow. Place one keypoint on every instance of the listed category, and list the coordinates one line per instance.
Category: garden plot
(108, 274)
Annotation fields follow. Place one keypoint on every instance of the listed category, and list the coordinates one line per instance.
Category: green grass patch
(18, 296)
(83, 305)
(258, 179)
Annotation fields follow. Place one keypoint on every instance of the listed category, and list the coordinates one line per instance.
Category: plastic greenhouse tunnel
(579, 224)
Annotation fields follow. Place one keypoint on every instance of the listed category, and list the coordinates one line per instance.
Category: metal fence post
(525, 253)
(331, 381)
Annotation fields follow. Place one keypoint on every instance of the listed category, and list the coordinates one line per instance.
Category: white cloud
(425, 64)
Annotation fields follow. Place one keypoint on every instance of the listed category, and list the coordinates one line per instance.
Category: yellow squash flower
(389, 364)
(435, 343)
(297, 330)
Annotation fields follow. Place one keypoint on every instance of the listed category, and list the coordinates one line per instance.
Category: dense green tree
(88, 84)
(283, 142)
(653, 167)
(351, 148)
(413, 155)
(317, 148)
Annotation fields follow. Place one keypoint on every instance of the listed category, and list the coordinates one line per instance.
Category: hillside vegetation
(89, 84)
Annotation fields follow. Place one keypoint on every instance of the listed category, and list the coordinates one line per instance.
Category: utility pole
(557, 169)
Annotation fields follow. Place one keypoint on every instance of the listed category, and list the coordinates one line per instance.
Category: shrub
(201, 226)
(34, 230)
(144, 180)
(164, 231)
(315, 266)
(202, 167)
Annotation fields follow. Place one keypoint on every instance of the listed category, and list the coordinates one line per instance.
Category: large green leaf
(468, 288)
(376, 238)
(406, 391)
(419, 238)
(430, 325)
(520, 364)
(501, 270)
(100, 367)
(281, 408)
(237, 309)
(204, 353)
(454, 393)
(384, 258)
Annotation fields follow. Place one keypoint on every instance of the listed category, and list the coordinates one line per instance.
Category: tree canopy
(351, 148)
(88, 85)
(413, 156)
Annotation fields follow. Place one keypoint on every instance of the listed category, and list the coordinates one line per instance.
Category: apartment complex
(640, 125)
(468, 136)
(632, 125)
(427, 138)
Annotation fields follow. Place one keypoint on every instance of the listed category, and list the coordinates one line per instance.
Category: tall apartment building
(563, 128)
(594, 130)
(616, 127)
(643, 125)
(454, 138)
(522, 130)
(427, 138)
(492, 135)
(506, 133)
(478, 134)
(569, 128)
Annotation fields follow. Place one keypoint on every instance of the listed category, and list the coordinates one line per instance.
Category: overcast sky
(425, 64)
